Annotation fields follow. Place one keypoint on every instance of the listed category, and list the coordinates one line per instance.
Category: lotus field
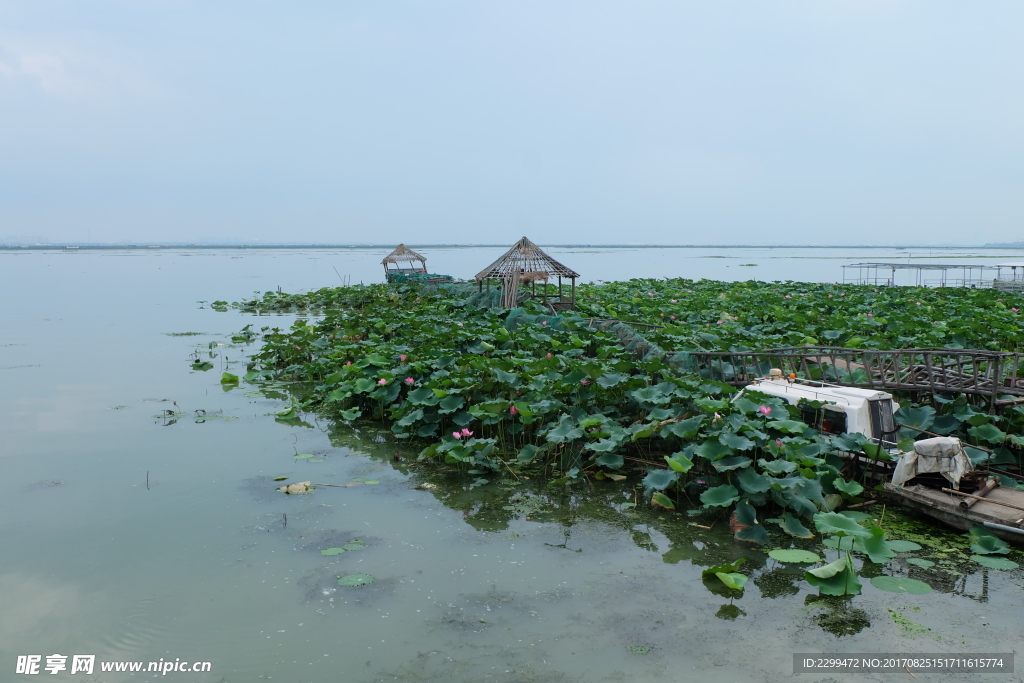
(491, 392)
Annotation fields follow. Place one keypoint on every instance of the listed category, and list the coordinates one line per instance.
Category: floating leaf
(918, 561)
(303, 456)
(903, 546)
(900, 584)
(228, 378)
(332, 551)
(356, 579)
(994, 562)
(793, 555)
(354, 545)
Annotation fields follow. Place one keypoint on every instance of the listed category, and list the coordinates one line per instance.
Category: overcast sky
(781, 122)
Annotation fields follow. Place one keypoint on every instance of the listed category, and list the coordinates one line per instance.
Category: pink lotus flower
(672, 317)
(348, 363)
(778, 443)
(402, 358)
(650, 294)
(466, 432)
(1015, 310)
(787, 297)
(382, 381)
(457, 435)
(843, 294)
(720, 322)
(584, 382)
(549, 356)
(662, 315)
(512, 409)
(675, 301)
(543, 322)
(410, 380)
(871, 315)
(298, 347)
(829, 296)
(700, 481)
(765, 410)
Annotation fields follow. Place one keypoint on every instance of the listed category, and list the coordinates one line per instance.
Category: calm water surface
(506, 582)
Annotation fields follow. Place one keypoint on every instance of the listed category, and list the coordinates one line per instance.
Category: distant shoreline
(178, 245)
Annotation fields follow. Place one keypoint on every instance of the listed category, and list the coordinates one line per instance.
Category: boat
(949, 489)
(1000, 510)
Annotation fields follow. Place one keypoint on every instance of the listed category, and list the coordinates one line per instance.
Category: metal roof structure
(938, 274)
(525, 257)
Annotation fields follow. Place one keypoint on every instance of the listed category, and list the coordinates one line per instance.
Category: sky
(582, 122)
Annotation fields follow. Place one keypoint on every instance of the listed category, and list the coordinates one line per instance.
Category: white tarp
(942, 454)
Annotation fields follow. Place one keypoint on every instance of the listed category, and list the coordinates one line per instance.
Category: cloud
(67, 72)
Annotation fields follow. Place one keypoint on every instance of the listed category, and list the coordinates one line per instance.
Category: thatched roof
(403, 253)
(525, 257)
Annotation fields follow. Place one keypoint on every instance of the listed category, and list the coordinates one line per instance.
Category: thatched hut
(402, 262)
(525, 262)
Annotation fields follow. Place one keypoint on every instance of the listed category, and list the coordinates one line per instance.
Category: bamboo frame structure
(403, 254)
(526, 262)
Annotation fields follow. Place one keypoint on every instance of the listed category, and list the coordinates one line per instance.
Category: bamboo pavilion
(525, 262)
(402, 262)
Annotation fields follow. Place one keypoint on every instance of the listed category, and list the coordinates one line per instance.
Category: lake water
(133, 534)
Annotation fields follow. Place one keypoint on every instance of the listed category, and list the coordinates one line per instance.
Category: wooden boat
(993, 511)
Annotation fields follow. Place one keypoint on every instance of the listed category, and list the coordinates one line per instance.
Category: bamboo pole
(986, 500)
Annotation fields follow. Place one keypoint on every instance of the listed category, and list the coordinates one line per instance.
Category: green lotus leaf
(662, 500)
(835, 523)
(794, 555)
(850, 488)
(659, 480)
(726, 568)
(875, 546)
(729, 464)
(994, 562)
(356, 579)
(792, 526)
(720, 496)
(733, 580)
(836, 578)
(903, 546)
(899, 584)
(752, 482)
(985, 543)
(612, 461)
(679, 462)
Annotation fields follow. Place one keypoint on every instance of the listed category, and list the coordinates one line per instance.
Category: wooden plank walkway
(936, 370)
